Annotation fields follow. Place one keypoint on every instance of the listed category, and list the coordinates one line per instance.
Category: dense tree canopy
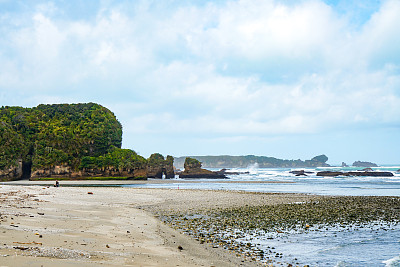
(49, 135)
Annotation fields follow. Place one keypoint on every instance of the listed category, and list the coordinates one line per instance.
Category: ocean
(375, 245)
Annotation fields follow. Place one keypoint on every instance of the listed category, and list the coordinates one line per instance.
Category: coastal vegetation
(49, 135)
(64, 141)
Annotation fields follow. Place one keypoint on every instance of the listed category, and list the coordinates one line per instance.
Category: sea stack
(193, 170)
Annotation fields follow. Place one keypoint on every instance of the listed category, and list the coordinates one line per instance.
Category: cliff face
(63, 140)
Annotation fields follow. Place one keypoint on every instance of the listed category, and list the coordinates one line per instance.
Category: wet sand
(111, 226)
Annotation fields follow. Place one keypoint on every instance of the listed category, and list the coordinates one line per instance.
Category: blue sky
(289, 79)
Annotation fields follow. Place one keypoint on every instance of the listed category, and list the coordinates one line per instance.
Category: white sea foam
(342, 264)
(393, 262)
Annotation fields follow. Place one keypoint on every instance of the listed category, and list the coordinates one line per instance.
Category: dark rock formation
(193, 170)
(157, 166)
(12, 172)
(300, 173)
(66, 171)
(344, 165)
(331, 173)
(357, 173)
(364, 164)
(226, 172)
(372, 173)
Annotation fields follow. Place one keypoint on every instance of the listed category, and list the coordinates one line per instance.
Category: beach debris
(57, 252)
(107, 246)
(21, 248)
(90, 193)
(40, 213)
(29, 243)
(180, 248)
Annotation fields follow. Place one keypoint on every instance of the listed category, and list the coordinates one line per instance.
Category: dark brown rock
(331, 174)
(226, 172)
(300, 173)
(193, 170)
(357, 173)
(371, 173)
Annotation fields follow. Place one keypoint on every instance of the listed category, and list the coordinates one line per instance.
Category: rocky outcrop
(65, 171)
(157, 166)
(300, 173)
(364, 164)
(12, 172)
(344, 165)
(193, 170)
(357, 173)
(227, 172)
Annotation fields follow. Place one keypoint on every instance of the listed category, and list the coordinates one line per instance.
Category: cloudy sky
(289, 79)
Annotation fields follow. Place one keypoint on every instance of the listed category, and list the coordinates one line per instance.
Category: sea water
(375, 245)
(259, 180)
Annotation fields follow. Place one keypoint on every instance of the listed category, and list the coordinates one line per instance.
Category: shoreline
(133, 183)
(122, 226)
(136, 182)
(112, 226)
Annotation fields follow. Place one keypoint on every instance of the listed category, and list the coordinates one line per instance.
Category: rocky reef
(193, 170)
(356, 173)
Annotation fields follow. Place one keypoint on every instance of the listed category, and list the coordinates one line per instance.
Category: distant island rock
(364, 164)
(251, 160)
(70, 141)
(193, 170)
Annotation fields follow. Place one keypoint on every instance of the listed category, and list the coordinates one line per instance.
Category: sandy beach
(92, 226)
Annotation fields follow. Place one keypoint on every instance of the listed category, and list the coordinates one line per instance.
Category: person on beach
(57, 184)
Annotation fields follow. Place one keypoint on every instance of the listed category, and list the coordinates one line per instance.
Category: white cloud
(237, 68)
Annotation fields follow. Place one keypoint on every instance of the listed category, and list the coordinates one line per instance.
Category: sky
(288, 79)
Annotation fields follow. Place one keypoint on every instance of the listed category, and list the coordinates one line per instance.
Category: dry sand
(111, 226)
